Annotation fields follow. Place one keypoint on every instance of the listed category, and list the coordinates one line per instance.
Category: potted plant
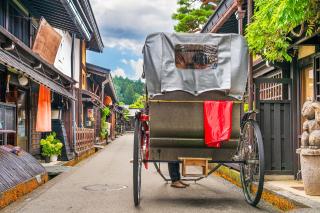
(104, 131)
(310, 148)
(51, 147)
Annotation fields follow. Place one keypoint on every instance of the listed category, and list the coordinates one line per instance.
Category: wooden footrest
(200, 162)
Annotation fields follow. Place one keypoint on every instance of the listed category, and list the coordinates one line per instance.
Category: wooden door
(22, 120)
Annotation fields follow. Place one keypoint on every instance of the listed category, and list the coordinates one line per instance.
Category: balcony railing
(85, 140)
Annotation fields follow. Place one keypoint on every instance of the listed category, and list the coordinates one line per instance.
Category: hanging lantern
(23, 80)
(107, 101)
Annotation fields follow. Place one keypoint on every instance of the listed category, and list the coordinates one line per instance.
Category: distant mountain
(128, 90)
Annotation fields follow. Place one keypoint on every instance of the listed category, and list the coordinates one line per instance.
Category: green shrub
(51, 145)
(139, 103)
(105, 112)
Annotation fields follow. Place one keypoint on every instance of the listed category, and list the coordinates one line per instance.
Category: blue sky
(124, 25)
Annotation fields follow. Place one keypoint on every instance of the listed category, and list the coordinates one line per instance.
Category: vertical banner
(44, 110)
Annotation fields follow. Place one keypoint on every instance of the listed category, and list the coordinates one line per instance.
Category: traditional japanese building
(43, 43)
(280, 89)
(42, 47)
(98, 93)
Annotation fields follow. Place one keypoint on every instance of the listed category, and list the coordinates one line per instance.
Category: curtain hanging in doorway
(44, 110)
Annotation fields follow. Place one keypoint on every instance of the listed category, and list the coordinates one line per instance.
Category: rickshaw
(182, 71)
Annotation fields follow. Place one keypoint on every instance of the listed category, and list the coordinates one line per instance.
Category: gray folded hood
(195, 63)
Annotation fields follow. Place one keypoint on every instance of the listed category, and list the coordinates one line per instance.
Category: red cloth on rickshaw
(217, 122)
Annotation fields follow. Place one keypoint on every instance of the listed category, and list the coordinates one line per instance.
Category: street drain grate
(104, 187)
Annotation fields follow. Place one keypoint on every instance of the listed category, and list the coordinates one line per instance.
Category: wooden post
(240, 16)
(250, 62)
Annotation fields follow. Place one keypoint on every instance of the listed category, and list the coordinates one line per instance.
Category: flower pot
(53, 158)
(47, 159)
(310, 170)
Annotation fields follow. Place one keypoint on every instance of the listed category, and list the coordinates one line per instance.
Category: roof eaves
(112, 88)
(97, 68)
(221, 14)
(75, 15)
(25, 48)
(95, 29)
(206, 26)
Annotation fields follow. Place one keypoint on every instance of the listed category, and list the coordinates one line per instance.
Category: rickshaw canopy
(195, 63)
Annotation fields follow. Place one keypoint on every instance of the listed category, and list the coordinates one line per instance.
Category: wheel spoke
(137, 163)
(252, 172)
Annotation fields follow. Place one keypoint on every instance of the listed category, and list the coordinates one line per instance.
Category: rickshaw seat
(180, 124)
(189, 143)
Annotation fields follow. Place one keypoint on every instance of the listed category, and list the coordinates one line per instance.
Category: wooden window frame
(24, 30)
(3, 13)
(272, 91)
(316, 73)
(23, 27)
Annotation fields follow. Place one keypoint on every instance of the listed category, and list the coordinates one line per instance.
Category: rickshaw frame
(176, 131)
(143, 118)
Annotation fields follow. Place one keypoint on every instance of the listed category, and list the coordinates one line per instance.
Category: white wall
(77, 61)
(63, 58)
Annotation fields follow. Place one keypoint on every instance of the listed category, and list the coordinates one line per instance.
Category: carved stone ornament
(310, 148)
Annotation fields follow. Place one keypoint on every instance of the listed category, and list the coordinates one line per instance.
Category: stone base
(310, 170)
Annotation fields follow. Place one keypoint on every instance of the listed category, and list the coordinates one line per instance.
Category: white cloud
(137, 67)
(125, 61)
(118, 72)
(124, 44)
(139, 17)
(125, 23)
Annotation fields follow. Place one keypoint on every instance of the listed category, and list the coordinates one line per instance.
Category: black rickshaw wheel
(252, 170)
(137, 163)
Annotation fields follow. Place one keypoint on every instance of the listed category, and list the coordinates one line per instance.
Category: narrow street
(103, 183)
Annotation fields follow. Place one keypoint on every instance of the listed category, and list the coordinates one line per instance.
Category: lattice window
(85, 140)
(272, 91)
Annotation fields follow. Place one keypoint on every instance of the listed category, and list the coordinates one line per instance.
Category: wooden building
(97, 93)
(280, 89)
(43, 43)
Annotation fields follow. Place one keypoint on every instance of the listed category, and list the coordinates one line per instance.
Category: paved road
(103, 183)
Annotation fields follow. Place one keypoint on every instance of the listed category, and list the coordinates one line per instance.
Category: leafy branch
(190, 18)
(276, 22)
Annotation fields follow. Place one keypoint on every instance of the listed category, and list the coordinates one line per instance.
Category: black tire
(252, 171)
(137, 163)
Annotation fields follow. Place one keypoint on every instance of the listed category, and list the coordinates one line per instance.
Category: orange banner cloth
(44, 110)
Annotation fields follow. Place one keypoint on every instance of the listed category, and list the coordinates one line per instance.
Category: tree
(139, 103)
(128, 90)
(190, 18)
(275, 22)
(129, 94)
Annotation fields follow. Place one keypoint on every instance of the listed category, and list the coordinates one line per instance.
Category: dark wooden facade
(19, 21)
(280, 89)
(96, 85)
